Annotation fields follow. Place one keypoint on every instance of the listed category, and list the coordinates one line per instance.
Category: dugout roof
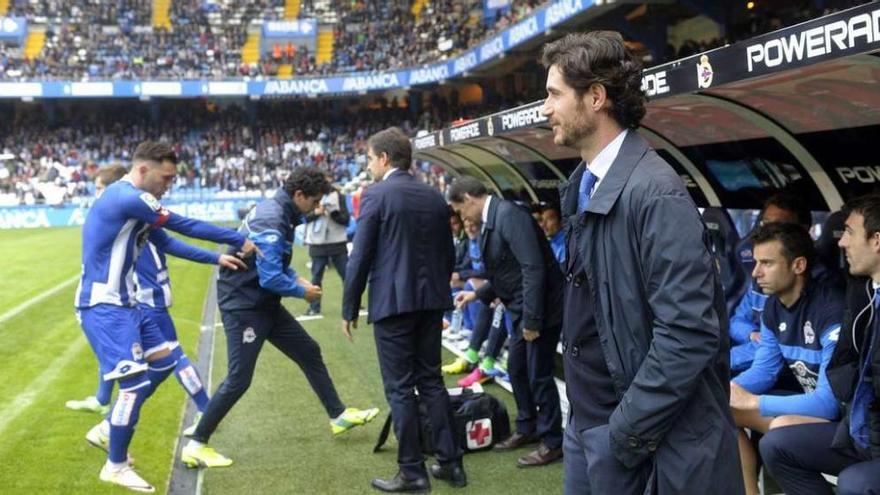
(797, 110)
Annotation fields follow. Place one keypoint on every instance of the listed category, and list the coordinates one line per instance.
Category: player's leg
(291, 339)
(184, 370)
(99, 403)
(245, 333)
(114, 333)
(157, 349)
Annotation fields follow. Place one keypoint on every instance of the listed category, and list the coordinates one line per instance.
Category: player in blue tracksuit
(252, 313)
(117, 227)
(799, 330)
(745, 328)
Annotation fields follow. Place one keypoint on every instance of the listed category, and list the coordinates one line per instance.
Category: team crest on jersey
(783, 326)
(137, 352)
(249, 335)
(809, 334)
(151, 201)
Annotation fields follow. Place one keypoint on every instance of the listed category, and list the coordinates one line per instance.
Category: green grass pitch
(278, 434)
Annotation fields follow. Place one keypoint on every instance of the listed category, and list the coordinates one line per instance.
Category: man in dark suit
(645, 338)
(524, 274)
(404, 245)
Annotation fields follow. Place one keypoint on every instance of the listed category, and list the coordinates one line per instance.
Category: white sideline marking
(310, 317)
(39, 384)
(34, 300)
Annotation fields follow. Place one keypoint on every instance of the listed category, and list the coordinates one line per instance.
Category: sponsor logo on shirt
(151, 201)
(806, 377)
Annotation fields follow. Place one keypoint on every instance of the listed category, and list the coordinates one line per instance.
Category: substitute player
(154, 299)
(116, 228)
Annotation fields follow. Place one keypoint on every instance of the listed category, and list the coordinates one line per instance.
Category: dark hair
(552, 207)
(601, 57)
(465, 185)
(111, 174)
(795, 241)
(868, 206)
(309, 180)
(790, 202)
(152, 151)
(394, 143)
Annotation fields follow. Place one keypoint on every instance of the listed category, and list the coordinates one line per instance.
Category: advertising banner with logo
(530, 27)
(849, 32)
(29, 217)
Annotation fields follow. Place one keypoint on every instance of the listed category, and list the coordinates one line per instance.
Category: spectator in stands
(325, 234)
(799, 329)
(850, 448)
(745, 323)
(524, 275)
(645, 341)
(551, 223)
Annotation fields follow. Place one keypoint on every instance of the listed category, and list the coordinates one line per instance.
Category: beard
(582, 125)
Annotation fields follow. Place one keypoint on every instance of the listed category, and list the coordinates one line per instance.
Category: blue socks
(191, 381)
(105, 390)
(124, 415)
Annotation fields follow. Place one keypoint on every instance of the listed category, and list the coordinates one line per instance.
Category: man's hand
(464, 298)
(530, 335)
(313, 293)
(742, 399)
(249, 248)
(755, 337)
(347, 327)
(455, 277)
(231, 262)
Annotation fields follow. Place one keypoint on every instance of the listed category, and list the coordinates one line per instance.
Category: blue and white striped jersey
(117, 227)
(151, 271)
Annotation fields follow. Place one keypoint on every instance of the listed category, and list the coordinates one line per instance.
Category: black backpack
(481, 421)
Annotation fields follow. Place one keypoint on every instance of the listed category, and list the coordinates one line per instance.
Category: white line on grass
(38, 385)
(34, 300)
(310, 317)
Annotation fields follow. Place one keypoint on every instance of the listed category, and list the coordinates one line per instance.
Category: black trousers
(530, 367)
(245, 333)
(409, 359)
(797, 455)
(319, 264)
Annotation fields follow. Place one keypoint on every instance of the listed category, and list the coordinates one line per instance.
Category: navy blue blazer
(403, 246)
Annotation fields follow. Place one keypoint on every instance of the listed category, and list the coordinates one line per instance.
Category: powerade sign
(534, 25)
(32, 217)
(844, 33)
(13, 29)
(297, 28)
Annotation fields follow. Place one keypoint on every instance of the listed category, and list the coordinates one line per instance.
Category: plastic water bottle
(457, 317)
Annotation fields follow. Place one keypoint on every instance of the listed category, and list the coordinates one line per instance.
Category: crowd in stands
(220, 149)
(100, 41)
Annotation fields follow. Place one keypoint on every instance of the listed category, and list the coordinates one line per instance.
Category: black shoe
(453, 473)
(400, 484)
(313, 312)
